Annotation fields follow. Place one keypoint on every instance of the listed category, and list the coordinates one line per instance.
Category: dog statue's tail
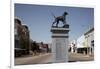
(53, 15)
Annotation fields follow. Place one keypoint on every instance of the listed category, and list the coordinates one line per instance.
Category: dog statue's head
(65, 13)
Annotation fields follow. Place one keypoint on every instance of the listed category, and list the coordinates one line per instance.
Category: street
(46, 58)
(39, 59)
(73, 57)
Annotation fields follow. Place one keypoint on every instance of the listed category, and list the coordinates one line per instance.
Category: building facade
(81, 48)
(72, 46)
(85, 43)
(89, 40)
(22, 38)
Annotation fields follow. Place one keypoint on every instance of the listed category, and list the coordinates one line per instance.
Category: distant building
(89, 40)
(17, 32)
(73, 46)
(44, 47)
(85, 43)
(81, 48)
(22, 38)
(26, 37)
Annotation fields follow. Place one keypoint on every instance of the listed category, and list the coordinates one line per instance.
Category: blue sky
(39, 19)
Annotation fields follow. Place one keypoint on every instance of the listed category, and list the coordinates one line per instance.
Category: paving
(75, 57)
(46, 58)
(39, 59)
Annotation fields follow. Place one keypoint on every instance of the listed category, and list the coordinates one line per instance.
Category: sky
(39, 20)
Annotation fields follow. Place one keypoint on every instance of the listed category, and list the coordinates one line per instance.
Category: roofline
(90, 30)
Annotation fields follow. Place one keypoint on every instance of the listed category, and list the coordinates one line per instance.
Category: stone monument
(60, 42)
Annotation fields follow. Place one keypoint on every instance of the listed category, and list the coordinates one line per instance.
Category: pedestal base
(60, 44)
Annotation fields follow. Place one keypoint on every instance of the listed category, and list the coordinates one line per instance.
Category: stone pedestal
(60, 44)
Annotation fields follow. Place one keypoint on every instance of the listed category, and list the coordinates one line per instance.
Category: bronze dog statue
(60, 18)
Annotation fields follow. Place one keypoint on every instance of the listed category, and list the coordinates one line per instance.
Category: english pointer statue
(60, 18)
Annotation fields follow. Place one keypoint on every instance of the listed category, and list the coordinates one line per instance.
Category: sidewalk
(73, 57)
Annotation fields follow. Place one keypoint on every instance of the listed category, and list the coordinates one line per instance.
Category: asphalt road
(73, 57)
(39, 59)
(46, 58)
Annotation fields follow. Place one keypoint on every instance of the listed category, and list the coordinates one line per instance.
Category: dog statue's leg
(57, 23)
(53, 23)
(64, 22)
